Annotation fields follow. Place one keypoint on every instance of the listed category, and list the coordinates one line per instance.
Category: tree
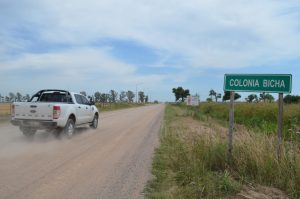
(208, 99)
(291, 99)
(19, 97)
(97, 96)
(130, 96)
(27, 97)
(83, 93)
(262, 97)
(122, 96)
(12, 97)
(269, 97)
(146, 99)
(180, 93)
(7, 99)
(226, 96)
(103, 98)
(141, 96)
(108, 97)
(113, 96)
(212, 94)
(251, 98)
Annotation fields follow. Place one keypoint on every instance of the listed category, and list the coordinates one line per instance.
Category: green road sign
(258, 83)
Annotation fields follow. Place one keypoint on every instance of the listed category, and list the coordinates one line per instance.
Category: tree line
(111, 97)
(181, 94)
(14, 97)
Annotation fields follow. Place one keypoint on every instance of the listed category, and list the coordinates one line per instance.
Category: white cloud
(207, 33)
(83, 59)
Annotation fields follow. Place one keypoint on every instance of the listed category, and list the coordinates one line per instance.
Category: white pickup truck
(54, 110)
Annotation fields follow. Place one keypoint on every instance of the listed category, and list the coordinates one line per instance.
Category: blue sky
(158, 45)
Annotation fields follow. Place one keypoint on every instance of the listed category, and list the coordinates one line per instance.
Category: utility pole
(136, 92)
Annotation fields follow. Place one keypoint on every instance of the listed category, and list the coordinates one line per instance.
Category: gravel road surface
(113, 161)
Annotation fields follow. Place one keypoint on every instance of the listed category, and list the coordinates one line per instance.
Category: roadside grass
(117, 106)
(194, 164)
(4, 112)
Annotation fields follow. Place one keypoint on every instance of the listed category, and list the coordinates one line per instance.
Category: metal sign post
(231, 125)
(280, 124)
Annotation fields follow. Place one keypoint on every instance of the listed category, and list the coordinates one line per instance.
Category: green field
(260, 117)
(192, 161)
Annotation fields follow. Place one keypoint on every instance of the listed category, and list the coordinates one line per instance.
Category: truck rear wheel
(69, 129)
(27, 131)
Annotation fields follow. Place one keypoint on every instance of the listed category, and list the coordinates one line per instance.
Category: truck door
(88, 112)
(80, 110)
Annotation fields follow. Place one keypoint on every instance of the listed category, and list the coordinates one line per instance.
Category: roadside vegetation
(4, 112)
(192, 161)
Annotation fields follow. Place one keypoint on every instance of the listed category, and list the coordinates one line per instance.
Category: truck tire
(27, 131)
(94, 123)
(69, 129)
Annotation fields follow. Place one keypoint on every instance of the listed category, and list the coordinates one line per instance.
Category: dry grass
(4, 109)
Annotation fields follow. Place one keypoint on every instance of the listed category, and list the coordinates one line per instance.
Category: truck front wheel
(94, 123)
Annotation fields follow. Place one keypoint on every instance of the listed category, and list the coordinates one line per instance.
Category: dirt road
(113, 161)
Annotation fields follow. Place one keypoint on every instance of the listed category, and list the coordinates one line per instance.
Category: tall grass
(260, 117)
(188, 165)
(255, 160)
